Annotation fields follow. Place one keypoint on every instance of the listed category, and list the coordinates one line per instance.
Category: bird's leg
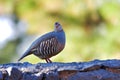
(48, 60)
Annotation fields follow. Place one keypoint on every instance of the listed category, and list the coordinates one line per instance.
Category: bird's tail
(24, 55)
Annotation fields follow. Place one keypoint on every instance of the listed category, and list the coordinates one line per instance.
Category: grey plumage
(48, 45)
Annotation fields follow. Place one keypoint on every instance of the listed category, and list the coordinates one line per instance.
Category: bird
(48, 45)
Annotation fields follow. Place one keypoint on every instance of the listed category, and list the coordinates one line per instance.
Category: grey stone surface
(1, 76)
(93, 70)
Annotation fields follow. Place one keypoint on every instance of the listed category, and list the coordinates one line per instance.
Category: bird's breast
(61, 37)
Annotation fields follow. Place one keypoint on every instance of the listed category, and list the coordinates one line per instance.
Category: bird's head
(58, 27)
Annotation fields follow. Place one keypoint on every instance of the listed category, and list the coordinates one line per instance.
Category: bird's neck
(61, 36)
(58, 30)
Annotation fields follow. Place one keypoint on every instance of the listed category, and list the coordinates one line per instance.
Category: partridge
(48, 45)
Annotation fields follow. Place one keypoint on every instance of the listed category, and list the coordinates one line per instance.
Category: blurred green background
(92, 28)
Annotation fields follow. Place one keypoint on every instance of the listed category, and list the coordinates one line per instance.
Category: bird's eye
(56, 23)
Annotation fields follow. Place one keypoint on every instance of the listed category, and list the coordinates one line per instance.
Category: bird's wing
(41, 39)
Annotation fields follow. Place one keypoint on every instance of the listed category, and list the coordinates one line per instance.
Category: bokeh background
(92, 28)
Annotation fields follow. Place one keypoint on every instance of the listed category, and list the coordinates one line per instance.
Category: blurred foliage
(91, 26)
